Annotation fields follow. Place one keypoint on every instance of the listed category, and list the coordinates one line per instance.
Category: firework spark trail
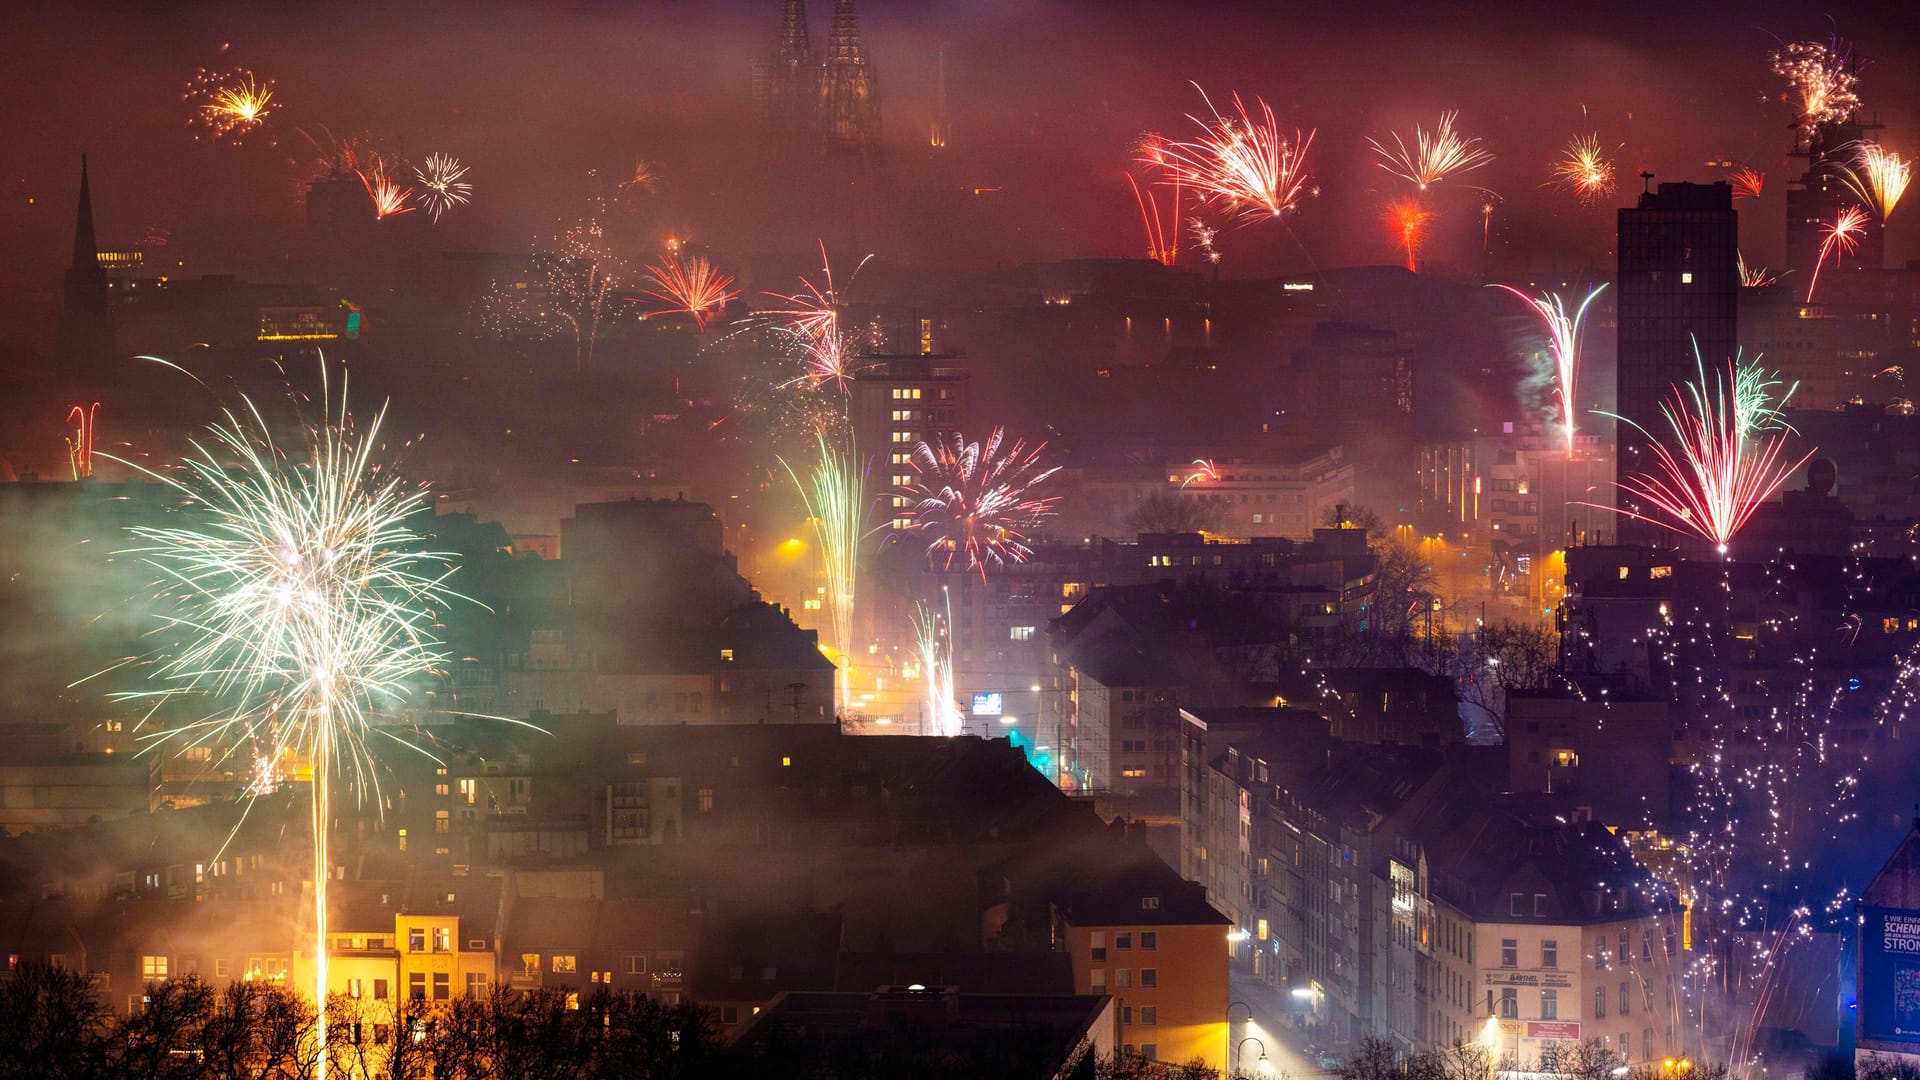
(228, 104)
(1584, 170)
(389, 198)
(305, 602)
(1879, 177)
(1433, 157)
(1756, 405)
(1486, 226)
(933, 644)
(1747, 183)
(80, 445)
(1163, 234)
(643, 178)
(1563, 339)
(812, 324)
(1241, 165)
(1843, 237)
(1203, 237)
(692, 287)
(1408, 220)
(975, 504)
(1203, 472)
(1822, 74)
(834, 493)
(444, 189)
(1714, 477)
(1753, 277)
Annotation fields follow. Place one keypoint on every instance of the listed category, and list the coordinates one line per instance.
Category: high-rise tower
(1679, 284)
(1820, 194)
(849, 103)
(85, 341)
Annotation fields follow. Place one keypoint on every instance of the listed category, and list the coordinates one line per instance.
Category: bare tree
(163, 1038)
(54, 1026)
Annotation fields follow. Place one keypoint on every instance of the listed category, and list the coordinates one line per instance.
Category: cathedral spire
(85, 340)
(86, 249)
(850, 103)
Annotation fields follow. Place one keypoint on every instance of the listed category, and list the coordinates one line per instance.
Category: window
(705, 799)
(1646, 1044)
(220, 969)
(1626, 1001)
(1517, 904)
(381, 1033)
(1149, 1014)
(354, 989)
(1549, 1004)
(1646, 948)
(1098, 941)
(1149, 977)
(1599, 1002)
(1509, 1004)
(1509, 952)
(443, 939)
(153, 967)
(442, 985)
(442, 821)
(1549, 954)
(1123, 940)
(1626, 949)
(1122, 978)
(636, 964)
(1599, 953)
(416, 939)
(1098, 979)
(563, 964)
(379, 989)
(529, 962)
(1149, 903)
(417, 986)
(1020, 633)
(1540, 904)
(1150, 1051)
(1149, 939)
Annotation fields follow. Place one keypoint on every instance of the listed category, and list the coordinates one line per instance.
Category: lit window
(1020, 633)
(1659, 572)
(563, 964)
(705, 799)
(1686, 277)
(153, 967)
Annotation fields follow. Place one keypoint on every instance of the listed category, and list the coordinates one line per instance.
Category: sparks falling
(389, 198)
(1758, 397)
(835, 494)
(1204, 472)
(1879, 177)
(306, 607)
(443, 188)
(1754, 277)
(1240, 165)
(1715, 473)
(812, 324)
(1584, 170)
(1747, 183)
(1563, 340)
(691, 287)
(933, 646)
(228, 105)
(1433, 157)
(1408, 221)
(1843, 236)
(1162, 232)
(973, 505)
(1821, 75)
(80, 443)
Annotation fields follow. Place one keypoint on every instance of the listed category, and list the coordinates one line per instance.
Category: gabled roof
(1897, 885)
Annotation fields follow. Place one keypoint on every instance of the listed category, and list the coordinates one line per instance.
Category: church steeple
(850, 102)
(86, 314)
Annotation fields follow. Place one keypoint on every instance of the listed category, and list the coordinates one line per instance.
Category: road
(1272, 1025)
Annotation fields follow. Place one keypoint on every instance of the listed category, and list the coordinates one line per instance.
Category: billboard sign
(986, 704)
(1890, 975)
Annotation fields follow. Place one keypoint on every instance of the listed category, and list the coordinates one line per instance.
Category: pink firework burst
(1241, 163)
(972, 504)
(389, 198)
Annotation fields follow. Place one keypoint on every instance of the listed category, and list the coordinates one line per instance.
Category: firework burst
(1408, 221)
(1879, 177)
(812, 324)
(1747, 183)
(1758, 397)
(1584, 170)
(1716, 472)
(834, 492)
(1432, 157)
(1754, 277)
(304, 604)
(644, 177)
(1843, 236)
(973, 505)
(1821, 75)
(1563, 339)
(933, 645)
(80, 443)
(228, 105)
(1204, 472)
(442, 187)
(1203, 236)
(1240, 164)
(389, 198)
(691, 287)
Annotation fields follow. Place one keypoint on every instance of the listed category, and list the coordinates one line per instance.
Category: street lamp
(1264, 1067)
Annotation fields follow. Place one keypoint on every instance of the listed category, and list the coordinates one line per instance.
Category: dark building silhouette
(86, 337)
(1679, 287)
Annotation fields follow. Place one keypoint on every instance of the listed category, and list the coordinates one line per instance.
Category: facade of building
(1679, 285)
(1161, 953)
(899, 402)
